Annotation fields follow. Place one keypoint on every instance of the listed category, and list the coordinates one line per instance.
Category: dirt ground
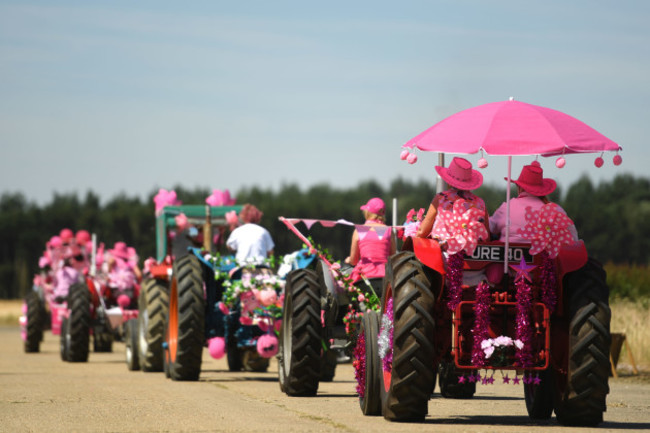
(40, 393)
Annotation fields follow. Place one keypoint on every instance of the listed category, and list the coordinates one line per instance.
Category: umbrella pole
(505, 259)
(440, 184)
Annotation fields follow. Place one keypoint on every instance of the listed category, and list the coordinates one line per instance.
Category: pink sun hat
(375, 205)
(120, 250)
(531, 179)
(460, 174)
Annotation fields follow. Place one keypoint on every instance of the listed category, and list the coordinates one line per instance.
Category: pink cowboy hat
(460, 174)
(82, 237)
(532, 181)
(374, 205)
(120, 250)
(66, 235)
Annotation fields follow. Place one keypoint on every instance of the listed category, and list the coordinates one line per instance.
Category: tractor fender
(427, 251)
(571, 258)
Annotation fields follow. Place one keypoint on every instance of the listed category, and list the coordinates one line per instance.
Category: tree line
(613, 218)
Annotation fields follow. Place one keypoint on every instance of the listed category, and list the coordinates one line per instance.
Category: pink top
(373, 253)
(517, 217)
(446, 201)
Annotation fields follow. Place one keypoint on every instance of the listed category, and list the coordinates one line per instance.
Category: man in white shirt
(251, 241)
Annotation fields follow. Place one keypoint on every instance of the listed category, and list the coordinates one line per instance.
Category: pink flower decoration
(618, 160)
(461, 228)
(482, 163)
(220, 198)
(599, 162)
(148, 263)
(547, 229)
(404, 155)
(561, 162)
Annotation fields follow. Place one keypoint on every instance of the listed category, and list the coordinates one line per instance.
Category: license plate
(495, 253)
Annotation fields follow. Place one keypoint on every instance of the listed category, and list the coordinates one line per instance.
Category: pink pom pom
(217, 347)
(404, 155)
(599, 162)
(412, 158)
(618, 159)
(267, 345)
(482, 163)
(123, 301)
(560, 162)
(536, 163)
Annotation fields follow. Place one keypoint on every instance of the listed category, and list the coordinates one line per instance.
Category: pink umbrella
(511, 128)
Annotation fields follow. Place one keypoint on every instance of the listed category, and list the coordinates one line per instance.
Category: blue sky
(127, 97)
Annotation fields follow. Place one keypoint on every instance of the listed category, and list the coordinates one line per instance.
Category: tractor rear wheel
(186, 332)
(368, 377)
(131, 344)
(412, 375)
(582, 389)
(300, 335)
(77, 330)
(153, 305)
(35, 322)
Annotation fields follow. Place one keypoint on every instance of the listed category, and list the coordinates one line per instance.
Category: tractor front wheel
(300, 348)
(367, 366)
(153, 305)
(77, 330)
(186, 322)
(35, 322)
(131, 344)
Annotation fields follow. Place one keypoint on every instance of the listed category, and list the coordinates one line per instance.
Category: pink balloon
(267, 345)
(217, 347)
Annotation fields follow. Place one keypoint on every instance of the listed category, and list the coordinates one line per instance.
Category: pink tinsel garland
(360, 364)
(549, 282)
(455, 273)
(524, 330)
(481, 323)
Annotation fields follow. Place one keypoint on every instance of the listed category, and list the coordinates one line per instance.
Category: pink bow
(165, 198)
(220, 198)
(547, 229)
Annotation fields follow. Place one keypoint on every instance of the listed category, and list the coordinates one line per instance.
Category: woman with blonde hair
(370, 249)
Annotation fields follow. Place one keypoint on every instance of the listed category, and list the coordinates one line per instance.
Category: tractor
(545, 318)
(175, 247)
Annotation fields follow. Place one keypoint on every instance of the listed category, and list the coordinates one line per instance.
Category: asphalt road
(40, 393)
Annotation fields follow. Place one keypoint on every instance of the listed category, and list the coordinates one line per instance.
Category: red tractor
(547, 319)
